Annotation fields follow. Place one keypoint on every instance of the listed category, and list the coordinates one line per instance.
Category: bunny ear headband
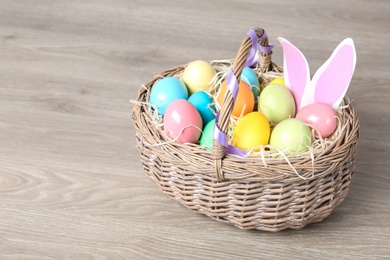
(329, 84)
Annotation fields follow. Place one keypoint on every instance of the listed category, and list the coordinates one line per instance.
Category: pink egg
(182, 121)
(321, 116)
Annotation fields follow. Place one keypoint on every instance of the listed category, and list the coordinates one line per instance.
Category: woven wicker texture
(244, 191)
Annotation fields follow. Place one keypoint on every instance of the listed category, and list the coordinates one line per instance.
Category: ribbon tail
(236, 151)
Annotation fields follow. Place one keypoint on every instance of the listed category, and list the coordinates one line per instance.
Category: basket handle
(256, 39)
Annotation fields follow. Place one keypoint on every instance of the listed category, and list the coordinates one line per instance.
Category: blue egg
(250, 78)
(165, 91)
(204, 104)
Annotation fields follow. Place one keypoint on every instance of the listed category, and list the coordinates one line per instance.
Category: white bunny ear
(296, 72)
(330, 82)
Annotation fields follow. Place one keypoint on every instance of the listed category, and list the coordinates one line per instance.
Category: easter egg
(291, 134)
(276, 103)
(251, 130)
(182, 122)
(204, 104)
(166, 90)
(207, 137)
(251, 79)
(321, 116)
(198, 76)
(278, 81)
(245, 100)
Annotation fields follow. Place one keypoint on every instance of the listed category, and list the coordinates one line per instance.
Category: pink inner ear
(334, 80)
(296, 71)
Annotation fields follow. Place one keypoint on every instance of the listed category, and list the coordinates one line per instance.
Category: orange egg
(244, 98)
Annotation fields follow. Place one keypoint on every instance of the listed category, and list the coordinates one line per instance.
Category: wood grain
(71, 184)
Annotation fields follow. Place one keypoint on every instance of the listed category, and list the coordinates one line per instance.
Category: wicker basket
(246, 192)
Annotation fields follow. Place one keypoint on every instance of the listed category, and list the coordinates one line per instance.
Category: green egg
(207, 137)
(276, 103)
(291, 134)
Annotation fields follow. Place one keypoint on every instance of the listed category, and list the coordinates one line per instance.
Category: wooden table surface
(71, 182)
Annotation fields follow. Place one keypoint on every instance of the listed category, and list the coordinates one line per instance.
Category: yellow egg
(278, 81)
(198, 76)
(251, 130)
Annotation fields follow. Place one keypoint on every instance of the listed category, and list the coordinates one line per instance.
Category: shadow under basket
(249, 193)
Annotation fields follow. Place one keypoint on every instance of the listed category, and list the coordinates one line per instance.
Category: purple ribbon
(232, 84)
(222, 139)
(220, 136)
(253, 53)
